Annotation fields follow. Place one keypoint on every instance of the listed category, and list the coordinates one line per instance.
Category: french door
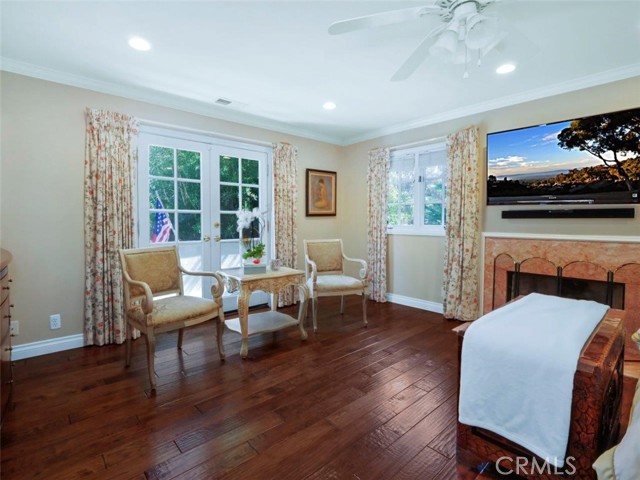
(188, 192)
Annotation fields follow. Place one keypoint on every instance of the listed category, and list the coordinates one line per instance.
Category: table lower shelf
(263, 322)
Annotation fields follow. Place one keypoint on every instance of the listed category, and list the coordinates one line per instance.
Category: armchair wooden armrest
(363, 264)
(147, 302)
(217, 288)
(314, 268)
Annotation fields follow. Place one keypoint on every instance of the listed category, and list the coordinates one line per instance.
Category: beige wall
(43, 141)
(415, 262)
(41, 185)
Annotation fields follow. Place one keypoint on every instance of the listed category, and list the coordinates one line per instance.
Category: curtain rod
(223, 136)
(419, 143)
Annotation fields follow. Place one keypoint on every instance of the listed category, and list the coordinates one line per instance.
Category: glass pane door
(242, 185)
(174, 204)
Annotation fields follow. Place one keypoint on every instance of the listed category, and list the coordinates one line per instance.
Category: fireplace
(605, 271)
(608, 293)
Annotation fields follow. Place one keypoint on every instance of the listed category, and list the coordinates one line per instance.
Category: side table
(273, 281)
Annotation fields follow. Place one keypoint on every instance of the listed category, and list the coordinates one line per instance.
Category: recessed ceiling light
(139, 43)
(506, 68)
(329, 105)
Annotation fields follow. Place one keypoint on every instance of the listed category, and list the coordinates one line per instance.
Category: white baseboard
(43, 347)
(60, 344)
(415, 302)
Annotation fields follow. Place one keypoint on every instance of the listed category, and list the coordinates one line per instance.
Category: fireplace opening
(608, 293)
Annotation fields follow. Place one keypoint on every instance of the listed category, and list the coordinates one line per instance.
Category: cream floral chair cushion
(149, 273)
(324, 267)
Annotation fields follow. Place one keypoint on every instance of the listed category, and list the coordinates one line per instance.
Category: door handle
(217, 238)
(216, 224)
(206, 238)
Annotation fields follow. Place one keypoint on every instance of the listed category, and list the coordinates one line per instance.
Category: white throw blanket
(518, 364)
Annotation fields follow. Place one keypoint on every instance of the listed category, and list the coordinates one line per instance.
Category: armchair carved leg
(364, 309)
(127, 348)
(219, 333)
(302, 310)
(314, 314)
(151, 352)
(180, 333)
(341, 304)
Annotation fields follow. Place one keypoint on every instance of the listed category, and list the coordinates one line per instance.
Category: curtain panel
(285, 206)
(109, 223)
(462, 248)
(377, 178)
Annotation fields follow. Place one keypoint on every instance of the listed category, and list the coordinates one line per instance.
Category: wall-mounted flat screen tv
(589, 160)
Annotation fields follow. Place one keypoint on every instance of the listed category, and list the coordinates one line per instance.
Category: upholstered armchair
(324, 268)
(149, 273)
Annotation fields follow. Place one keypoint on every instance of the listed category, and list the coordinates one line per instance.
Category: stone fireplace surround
(605, 259)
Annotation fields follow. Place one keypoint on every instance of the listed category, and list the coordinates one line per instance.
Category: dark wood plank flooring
(348, 403)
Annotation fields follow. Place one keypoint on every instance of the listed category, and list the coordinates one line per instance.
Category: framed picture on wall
(321, 193)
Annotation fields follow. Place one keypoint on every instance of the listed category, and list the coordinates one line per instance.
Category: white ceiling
(278, 65)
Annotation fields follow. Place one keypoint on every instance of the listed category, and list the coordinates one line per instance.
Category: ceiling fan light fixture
(446, 45)
(481, 31)
(465, 9)
(462, 55)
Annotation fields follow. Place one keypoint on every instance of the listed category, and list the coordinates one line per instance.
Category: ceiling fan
(465, 32)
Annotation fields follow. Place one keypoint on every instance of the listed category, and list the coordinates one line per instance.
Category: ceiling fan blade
(380, 19)
(418, 56)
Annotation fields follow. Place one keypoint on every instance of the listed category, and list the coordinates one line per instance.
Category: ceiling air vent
(223, 101)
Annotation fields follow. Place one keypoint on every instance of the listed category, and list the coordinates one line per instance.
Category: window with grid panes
(175, 180)
(416, 190)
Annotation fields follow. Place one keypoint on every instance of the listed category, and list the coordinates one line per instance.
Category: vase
(275, 264)
(254, 265)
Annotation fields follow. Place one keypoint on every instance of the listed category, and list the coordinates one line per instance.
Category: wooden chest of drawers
(6, 375)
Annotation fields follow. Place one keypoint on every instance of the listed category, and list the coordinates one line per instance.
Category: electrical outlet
(14, 329)
(55, 321)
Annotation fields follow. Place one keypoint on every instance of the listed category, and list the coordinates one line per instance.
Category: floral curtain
(285, 203)
(462, 248)
(109, 167)
(377, 225)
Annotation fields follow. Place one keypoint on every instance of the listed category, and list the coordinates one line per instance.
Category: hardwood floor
(348, 403)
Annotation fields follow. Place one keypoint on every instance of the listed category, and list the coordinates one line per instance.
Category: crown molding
(160, 98)
(588, 81)
(201, 108)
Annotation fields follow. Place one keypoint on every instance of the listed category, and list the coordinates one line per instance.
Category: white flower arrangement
(252, 241)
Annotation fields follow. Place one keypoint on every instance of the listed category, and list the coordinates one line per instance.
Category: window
(416, 190)
(174, 188)
(239, 189)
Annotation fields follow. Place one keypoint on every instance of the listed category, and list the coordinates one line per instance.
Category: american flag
(162, 228)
